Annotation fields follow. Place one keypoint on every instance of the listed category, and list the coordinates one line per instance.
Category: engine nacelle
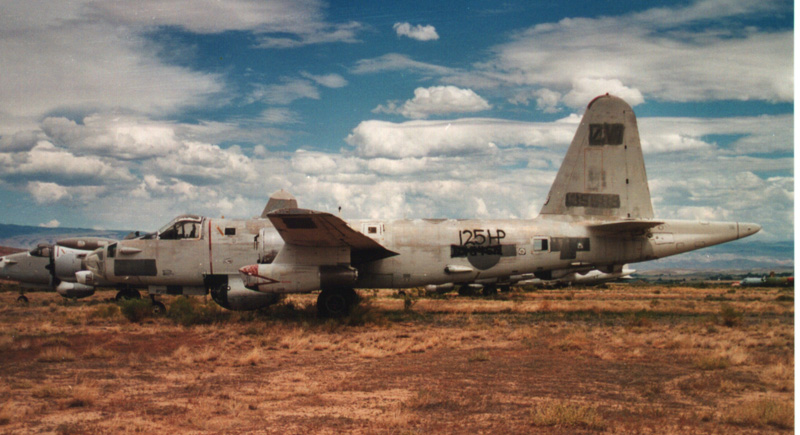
(74, 290)
(232, 295)
(84, 243)
(440, 289)
(85, 277)
(67, 262)
(285, 278)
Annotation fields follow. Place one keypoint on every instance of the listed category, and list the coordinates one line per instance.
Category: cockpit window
(185, 228)
(112, 250)
(41, 251)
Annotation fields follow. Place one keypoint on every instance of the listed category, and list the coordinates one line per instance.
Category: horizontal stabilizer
(309, 228)
(625, 226)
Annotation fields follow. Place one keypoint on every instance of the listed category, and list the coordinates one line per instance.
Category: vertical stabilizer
(279, 200)
(603, 176)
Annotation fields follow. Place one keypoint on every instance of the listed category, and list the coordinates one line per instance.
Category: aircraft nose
(748, 229)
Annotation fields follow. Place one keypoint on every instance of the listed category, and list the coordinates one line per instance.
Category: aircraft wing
(315, 229)
(625, 226)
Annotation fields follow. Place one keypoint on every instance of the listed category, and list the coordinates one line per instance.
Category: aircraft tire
(22, 300)
(490, 290)
(465, 290)
(127, 294)
(159, 308)
(337, 302)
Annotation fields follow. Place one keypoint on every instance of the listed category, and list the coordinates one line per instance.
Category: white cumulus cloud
(457, 137)
(52, 224)
(418, 32)
(437, 100)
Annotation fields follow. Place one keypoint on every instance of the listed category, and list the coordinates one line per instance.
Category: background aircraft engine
(291, 278)
(67, 262)
(74, 290)
(234, 296)
(85, 277)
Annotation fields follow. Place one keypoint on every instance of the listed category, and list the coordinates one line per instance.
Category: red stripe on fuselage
(210, 253)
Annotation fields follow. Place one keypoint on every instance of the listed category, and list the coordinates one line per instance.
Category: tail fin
(279, 200)
(603, 176)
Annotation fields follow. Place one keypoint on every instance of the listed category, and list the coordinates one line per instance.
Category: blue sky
(121, 115)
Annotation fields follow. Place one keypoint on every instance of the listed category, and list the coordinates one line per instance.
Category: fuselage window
(540, 245)
(112, 250)
(372, 230)
(230, 231)
(181, 230)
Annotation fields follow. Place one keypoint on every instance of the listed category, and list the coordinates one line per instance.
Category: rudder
(603, 175)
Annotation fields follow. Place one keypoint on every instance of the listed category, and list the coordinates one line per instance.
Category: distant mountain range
(27, 237)
(738, 255)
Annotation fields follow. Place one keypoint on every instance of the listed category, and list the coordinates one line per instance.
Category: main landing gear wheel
(22, 300)
(336, 302)
(158, 307)
(490, 290)
(127, 293)
(466, 290)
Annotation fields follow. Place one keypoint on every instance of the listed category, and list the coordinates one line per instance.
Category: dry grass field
(621, 359)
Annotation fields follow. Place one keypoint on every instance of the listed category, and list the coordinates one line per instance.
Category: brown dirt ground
(621, 359)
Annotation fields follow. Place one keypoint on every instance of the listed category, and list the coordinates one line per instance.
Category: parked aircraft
(192, 255)
(768, 281)
(52, 266)
(598, 215)
(592, 277)
(490, 287)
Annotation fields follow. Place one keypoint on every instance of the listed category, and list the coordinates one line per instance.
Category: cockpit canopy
(42, 250)
(182, 227)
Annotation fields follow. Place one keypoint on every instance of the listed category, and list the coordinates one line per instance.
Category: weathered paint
(598, 215)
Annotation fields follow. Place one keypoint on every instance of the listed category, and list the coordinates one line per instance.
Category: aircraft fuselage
(430, 251)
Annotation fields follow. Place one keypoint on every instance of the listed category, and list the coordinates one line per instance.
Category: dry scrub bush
(107, 311)
(781, 376)
(431, 400)
(98, 352)
(762, 412)
(712, 362)
(11, 410)
(136, 310)
(82, 395)
(566, 415)
(187, 356)
(729, 316)
(253, 358)
(378, 344)
(192, 311)
(480, 356)
(6, 343)
(55, 354)
(50, 392)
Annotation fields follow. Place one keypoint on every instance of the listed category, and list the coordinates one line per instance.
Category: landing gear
(127, 293)
(22, 300)
(466, 290)
(336, 302)
(489, 290)
(158, 307)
